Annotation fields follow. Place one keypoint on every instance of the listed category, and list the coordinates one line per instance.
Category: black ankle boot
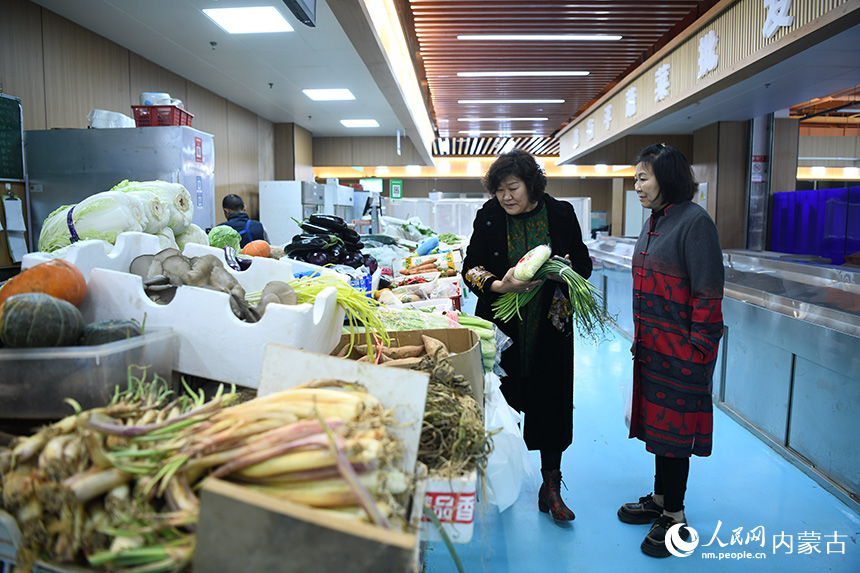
(549, 496)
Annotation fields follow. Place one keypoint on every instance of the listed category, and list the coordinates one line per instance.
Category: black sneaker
(654, 543)
(645, 511)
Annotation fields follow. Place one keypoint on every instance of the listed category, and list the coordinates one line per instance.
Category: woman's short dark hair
(672, 170)
(233, 202)
(521, 164)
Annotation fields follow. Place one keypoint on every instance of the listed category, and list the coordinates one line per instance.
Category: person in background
(677, 314)
(539, 364)
(249, 230)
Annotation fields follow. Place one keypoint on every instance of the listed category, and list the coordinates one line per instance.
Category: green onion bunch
(588, 307)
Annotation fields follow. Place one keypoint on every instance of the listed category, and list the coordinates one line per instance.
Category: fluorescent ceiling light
(510, 101)
(540, 37)
(600, 168)
(502, 119)
(851, 171)
(620, 167)
(254, 20)
(819, 171)
(382, 170)
(359, 123)
(413, 170)
(498, 131)
(519, 74)
(329, 94)
(473, 168)
(568, 169)
(443, 167)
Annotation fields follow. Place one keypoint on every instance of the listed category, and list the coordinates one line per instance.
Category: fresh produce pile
(38, 309)
(453, 437)
(156, 207)
(589, 310)
(114, 487)
(326, 239)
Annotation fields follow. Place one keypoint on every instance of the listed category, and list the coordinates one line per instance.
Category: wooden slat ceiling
(645, 26)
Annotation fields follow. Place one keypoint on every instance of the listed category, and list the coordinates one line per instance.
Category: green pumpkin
(105, 331)
(37, 320)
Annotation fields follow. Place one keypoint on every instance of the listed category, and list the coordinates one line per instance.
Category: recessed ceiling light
(502, 119)
(541, 37)
(329, 94)
(254, 20)
(497, 131)
(519, 74)
(510, 101)
(359, 123)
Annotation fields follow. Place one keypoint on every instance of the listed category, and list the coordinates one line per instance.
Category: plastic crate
(157, 115)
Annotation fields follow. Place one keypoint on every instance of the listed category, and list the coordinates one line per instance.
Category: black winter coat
(545, 394)
(241, 222)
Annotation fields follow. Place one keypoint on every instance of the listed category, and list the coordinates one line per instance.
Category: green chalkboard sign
(11, 138)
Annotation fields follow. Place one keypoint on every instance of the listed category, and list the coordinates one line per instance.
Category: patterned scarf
(526, 232)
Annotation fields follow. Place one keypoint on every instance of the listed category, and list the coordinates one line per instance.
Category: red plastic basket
(155, 115)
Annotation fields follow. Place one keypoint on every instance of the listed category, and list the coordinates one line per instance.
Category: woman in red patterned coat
(677, 297)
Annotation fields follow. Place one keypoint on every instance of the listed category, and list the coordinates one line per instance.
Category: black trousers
(550, 460)
(670, 481)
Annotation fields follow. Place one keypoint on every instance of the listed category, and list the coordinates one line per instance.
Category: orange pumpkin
(58, 278)
(258, 248)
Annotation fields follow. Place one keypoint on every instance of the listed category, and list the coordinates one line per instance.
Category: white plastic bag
(627, 399)
(509, 463)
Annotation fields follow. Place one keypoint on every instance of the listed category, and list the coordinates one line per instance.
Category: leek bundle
(589, 309)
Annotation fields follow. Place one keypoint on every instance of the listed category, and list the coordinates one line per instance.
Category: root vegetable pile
(114, 487)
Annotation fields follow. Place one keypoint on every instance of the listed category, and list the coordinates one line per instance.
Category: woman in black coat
(539, 364)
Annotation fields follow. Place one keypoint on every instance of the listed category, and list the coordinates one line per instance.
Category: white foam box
(453, 500)
(91, 254)
(212, 342)
(241, 530)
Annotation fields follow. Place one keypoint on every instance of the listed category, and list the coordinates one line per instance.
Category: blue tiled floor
(744, 484)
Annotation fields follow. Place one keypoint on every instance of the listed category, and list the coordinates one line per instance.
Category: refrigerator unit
(282, 203)
(65, 166)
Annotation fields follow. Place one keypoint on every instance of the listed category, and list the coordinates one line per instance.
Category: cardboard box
(463, 343)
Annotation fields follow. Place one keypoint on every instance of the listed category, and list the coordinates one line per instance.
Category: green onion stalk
(589, 310)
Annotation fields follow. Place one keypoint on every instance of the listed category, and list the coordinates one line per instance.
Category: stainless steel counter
(789, 365)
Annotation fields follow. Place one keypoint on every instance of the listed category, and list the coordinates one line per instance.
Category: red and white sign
(451, 507)
(759, 168)
(198, 149)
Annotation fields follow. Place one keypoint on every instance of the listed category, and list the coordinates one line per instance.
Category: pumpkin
(258, 248)
(57, 278)
(111, 330)
(38, 320)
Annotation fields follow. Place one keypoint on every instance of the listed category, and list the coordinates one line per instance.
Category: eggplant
(298, 256)
(370, 263)
(231, 259)
(354, 247)
(350, 235)
(309, 243)
(337, 253)
(384, 282)
(320, 258)
(353, 260)
(309, 227)
(332, 222)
